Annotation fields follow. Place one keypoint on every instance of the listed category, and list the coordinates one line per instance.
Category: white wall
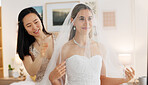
(141, 26)
(10, 11)
(127, 37)
(120, 37)
(130, 35)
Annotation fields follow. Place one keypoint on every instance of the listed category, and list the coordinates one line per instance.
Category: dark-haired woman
(34, 43)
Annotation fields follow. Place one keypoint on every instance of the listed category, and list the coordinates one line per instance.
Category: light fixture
(125, 59)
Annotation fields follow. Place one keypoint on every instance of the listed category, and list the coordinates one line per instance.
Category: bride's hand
(129, 74)
(58, 72)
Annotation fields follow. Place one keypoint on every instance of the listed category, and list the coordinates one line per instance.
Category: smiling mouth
(36, 32)
(85, 28)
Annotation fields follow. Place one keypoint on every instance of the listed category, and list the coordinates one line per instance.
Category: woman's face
(83, 21)
(32, 24)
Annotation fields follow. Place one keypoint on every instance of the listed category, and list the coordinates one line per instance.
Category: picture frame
(109, 19)
(56, 13)
(39, 9)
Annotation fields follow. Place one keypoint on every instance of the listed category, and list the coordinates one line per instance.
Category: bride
(83, 53)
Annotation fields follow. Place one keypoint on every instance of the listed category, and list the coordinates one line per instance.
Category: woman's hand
(58, 72)
(129, 74)
(44, 48)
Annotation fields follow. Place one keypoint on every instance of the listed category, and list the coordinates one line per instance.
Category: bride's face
(83, 21)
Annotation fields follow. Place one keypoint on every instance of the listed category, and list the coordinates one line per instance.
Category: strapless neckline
(84, 57)
(81, 70)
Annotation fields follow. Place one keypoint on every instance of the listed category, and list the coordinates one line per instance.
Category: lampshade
(125, 59)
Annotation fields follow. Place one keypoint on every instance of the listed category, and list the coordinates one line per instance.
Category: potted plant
(10, 70)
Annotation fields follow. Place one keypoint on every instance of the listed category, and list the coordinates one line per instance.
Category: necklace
(78, 43)
(37, 42)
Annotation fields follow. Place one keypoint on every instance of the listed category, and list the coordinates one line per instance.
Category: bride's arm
(60, 70)
(116, 81)
(111, 81)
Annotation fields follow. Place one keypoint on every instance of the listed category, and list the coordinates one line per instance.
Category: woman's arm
(31, 66)
(117, 81)
(111, 81)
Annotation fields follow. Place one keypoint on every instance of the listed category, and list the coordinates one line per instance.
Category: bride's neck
(81, 39)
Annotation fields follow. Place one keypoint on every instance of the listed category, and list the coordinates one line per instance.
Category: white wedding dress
(81, 70)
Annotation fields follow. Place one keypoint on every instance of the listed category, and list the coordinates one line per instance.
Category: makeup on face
(32, 24)
(84, 19)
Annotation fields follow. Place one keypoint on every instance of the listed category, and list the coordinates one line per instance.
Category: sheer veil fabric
(95, 44)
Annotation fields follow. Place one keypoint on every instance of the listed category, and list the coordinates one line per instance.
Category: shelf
(1, 49)
(9, 80)
(1, 68)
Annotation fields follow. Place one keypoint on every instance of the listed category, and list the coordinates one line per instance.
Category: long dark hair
(74, 13)
(24, 40)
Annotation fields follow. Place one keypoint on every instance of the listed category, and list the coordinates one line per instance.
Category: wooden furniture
(9, 80)
(1, 49)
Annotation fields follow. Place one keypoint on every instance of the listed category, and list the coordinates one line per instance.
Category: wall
(10, 10)
(129, 36)
(141, 26)
(124, 42)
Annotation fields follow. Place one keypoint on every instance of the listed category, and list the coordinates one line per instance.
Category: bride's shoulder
(68, 45)
(66, 50)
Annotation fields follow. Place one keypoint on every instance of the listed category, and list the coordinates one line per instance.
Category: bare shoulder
(50, 37)
(27, 59)
(66, 49)
(67, 46)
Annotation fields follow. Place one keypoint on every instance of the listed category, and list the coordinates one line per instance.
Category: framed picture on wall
(109, 19)
(39, 9)
(56, 13)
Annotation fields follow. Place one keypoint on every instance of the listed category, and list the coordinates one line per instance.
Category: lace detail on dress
(81, 70)
(45, 61)
(34, 51)
(42, 70)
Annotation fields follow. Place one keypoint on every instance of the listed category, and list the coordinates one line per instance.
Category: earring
(74, 27)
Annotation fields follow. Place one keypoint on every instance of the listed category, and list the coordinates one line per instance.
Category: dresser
(1, 49)
(9, 80)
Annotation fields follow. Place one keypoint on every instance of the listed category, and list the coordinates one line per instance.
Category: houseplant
(10, 70)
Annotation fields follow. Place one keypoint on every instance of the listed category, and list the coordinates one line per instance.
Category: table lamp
(125, 59)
